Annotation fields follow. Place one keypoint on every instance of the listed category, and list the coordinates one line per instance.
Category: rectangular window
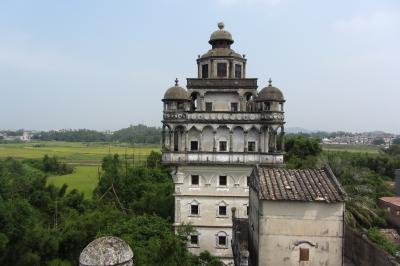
(238, 71)
(304, 254)
(194, 239)
(194, 209)
(204, 71)
(209, 107)
(234, 107)
(247, 210)
(194, 145)
(222, 210)
(221, 70)
(195, 180)
(222, 146)
(267, 106)
(181, 106)
(222, 180)
(251, 146)
(248, 181)
(222, 241)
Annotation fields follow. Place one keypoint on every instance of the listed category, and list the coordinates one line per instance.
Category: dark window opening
(222, 210)
(247, 210)
(234, 107)
(248, 181)
(267, 106)
(181, 106)
(251, 146)
(194, 209)
(222, 146)
(194, 145)
(204, 71)
(238, 71)
(194, 239)
(222, 240)
(304, 254)
(195, 180)
(222, 180)
(208, 107)
(222, 70)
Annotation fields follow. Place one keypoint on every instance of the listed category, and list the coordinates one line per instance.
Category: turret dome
(221, 35)
(176, 93)
(270, 93)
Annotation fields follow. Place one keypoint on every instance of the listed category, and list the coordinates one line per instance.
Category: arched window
(221, 239)
(194, 208)
(222, 209)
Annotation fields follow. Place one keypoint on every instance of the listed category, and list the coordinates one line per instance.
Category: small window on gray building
(194, 209)
(194, 145)
(195, 180)
(223, 180)
(209, 107)
(181, 106)
(251, 146)
(222, 146)
(222, 210)
(238, 71)
(222, 241)
(234, 107)
(304, 254)
(247, 210)
(222, 70)
(194, 240)
(204, 71)
(267, 106)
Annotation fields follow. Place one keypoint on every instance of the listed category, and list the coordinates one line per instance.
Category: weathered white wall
(282, 224)
(221, 101)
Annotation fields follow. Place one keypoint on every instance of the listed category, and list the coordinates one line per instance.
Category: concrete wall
(209, 195)
(361, 251)
(221, 101)
(285, 227)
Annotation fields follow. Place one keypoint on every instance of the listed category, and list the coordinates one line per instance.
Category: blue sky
(106, 64)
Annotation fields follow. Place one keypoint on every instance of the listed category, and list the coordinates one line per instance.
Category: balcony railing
(169, 157)
(274, 116)
(221, 83)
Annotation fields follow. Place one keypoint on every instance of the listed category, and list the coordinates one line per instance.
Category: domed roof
(108, 250)
(270, 93)
(221, 34)
(176, 93)
(217, 52)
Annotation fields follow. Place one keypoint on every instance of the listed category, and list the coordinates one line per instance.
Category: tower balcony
(221, 116)
(239, 158)
(248, 83)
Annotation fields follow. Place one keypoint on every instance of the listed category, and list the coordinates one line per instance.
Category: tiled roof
(392, 200)
(299, 185)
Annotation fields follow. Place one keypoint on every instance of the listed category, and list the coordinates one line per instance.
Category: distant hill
(296, 130)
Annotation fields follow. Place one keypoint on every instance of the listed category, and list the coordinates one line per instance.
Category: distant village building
(215, 132)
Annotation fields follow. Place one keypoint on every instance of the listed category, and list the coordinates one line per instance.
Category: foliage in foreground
(43, 225)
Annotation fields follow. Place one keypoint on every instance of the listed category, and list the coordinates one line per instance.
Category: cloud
(379, 21)
(248, 2)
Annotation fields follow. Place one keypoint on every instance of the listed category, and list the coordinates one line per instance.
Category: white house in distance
(296, 217)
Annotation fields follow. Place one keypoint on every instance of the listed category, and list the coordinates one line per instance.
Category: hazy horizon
(105, 65)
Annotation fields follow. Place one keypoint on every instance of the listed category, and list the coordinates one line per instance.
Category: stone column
(282, 139)
(230, 140)
(163, 138)
(214, 141)
(245, 141)
(200, 140)
(186, 140)
(242, 104)
(259, 141)
(244, 70)
(212, 69)
(171, 140)
(266, 140)
(231, 69)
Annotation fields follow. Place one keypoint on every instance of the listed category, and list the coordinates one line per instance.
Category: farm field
(351, 148)
(86, 158)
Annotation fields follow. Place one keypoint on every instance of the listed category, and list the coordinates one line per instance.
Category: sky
(106, 64)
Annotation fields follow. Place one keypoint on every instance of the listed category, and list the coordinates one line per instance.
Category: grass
(351, 148)
(84, 179)
(72, 152)
(86, 157)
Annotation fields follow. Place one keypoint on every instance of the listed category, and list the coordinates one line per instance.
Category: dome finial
(270, 82)
(221, 25)
(176, 81)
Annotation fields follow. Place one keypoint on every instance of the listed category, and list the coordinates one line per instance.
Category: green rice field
(351, 148)
(86, 158)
